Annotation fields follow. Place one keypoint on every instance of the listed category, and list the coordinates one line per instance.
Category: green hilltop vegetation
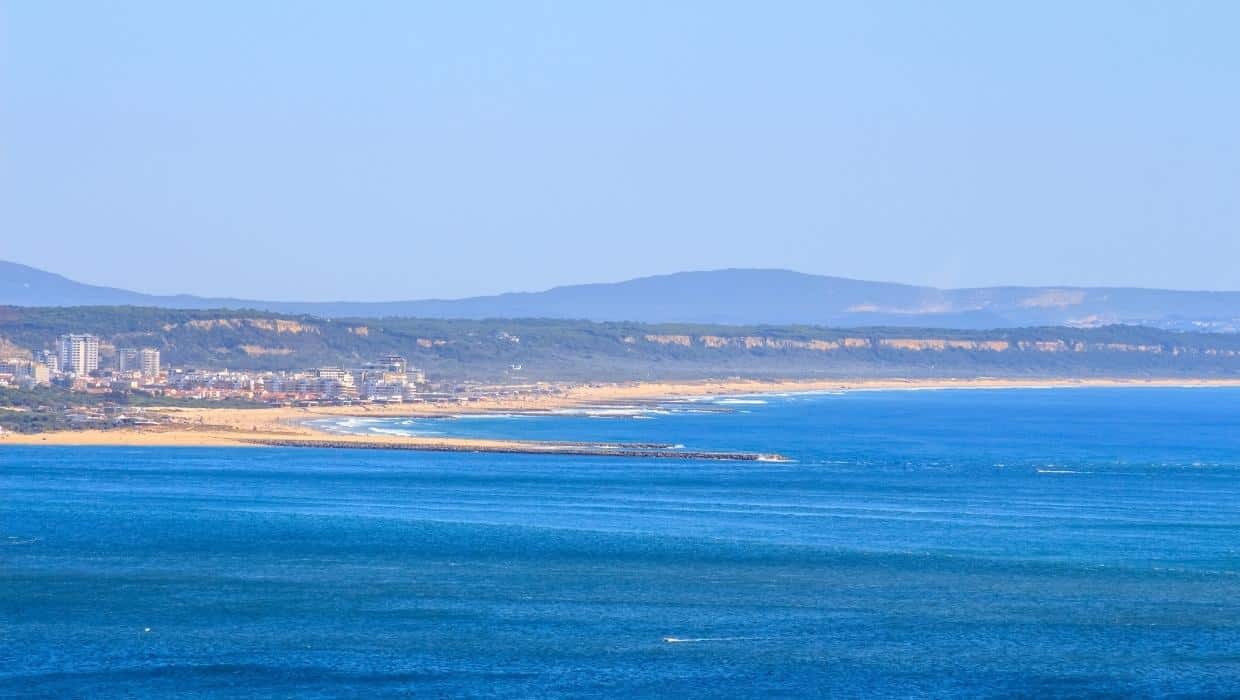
(546, 349)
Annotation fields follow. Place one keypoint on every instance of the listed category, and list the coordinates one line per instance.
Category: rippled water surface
(1064, 542)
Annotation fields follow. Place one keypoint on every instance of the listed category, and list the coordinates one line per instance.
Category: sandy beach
(205, 427)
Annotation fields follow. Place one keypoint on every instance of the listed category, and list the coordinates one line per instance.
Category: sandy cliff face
(272, 325)
(8, 349)
(920, 345)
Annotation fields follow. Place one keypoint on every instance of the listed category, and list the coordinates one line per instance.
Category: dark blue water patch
(898, 557)
(1109, 427)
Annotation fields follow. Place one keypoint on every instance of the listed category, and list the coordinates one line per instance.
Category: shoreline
(287, 427)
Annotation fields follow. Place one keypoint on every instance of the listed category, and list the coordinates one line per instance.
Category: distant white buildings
(78, 354)
(74, 362)
(144, 360)
(24, 372)
(376, 383)
(148, 362)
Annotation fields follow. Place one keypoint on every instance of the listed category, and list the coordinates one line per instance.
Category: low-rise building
(24, 372)
(49, 359)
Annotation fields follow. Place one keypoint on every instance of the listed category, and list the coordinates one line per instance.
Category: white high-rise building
(78, 353)
(149, 359)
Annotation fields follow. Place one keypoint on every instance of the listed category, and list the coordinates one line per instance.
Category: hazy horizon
(393, 152)
(606, 282)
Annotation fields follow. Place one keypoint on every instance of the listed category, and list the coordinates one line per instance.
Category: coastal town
(75, 363)
(87, 392)
(81, 382)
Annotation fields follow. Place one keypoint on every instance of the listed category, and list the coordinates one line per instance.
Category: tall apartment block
(78, 353)
(148, 360)
(126, 359)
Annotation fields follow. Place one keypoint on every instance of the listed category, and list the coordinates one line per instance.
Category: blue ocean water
(946, 543)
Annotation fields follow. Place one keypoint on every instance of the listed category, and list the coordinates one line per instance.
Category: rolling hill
(734, 296)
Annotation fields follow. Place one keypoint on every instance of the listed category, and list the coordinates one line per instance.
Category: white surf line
(1062, 471)
(696, 640)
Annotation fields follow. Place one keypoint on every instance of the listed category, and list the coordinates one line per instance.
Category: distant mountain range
(735, 296)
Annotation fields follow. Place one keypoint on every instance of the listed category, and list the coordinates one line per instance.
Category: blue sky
(405, 150)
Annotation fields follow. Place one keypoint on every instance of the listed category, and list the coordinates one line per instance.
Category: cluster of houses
(390, 380)
(74, 363)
